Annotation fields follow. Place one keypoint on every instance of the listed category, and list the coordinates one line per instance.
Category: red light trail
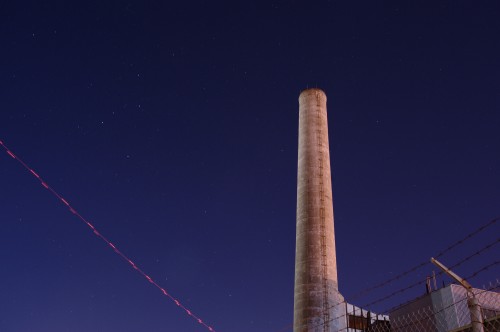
(111, 245)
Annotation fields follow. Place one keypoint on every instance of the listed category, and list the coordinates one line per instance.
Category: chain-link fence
(450, 309)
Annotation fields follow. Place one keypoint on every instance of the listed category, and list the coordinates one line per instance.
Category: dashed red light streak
(115, 249)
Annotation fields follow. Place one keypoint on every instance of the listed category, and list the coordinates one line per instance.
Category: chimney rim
(310, 91)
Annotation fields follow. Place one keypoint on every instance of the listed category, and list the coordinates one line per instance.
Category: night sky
(173, 128)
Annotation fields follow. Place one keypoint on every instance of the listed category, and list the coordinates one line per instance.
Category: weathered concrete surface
(316, 299)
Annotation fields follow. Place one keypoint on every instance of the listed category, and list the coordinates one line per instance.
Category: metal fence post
(476, 316)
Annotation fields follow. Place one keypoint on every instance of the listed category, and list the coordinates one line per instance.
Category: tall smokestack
(316, 299)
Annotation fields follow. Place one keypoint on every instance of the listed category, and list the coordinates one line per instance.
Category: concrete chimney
(317, 301)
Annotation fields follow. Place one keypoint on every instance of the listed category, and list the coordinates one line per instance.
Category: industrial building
(318, 304)
(446, 309)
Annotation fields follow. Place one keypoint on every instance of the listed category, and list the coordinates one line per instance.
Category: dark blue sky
(173, 128)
